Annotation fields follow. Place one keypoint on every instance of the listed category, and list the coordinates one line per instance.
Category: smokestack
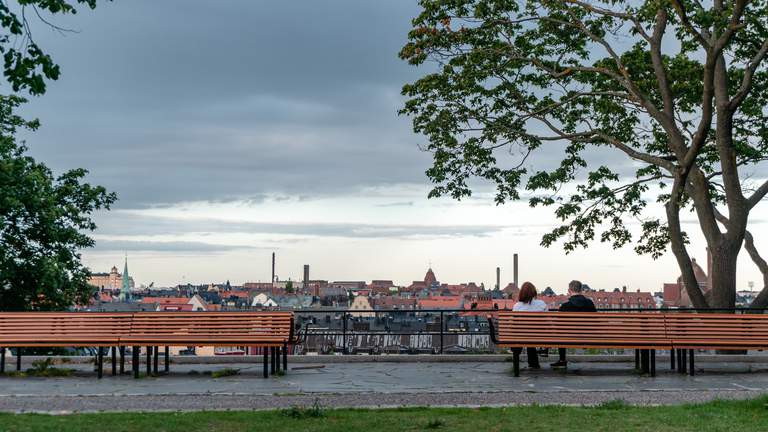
(498, 278)
(273, 269)
(306, 276)
(515, 270)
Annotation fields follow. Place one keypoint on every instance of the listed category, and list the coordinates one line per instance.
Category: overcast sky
(231, 129)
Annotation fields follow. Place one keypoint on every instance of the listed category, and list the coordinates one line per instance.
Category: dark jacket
(578, 303)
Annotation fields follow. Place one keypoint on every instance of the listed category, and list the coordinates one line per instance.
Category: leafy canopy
(25, 65)
(589, 78)
(43, 220)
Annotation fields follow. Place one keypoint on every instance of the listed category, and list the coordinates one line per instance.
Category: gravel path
(193, 402)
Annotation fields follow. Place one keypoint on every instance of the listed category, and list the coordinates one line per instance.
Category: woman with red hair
(527, 302)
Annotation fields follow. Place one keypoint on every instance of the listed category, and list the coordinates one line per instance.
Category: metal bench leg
(149, 360)
(278, 356)
(122, 360)
(684, 358)
(691, 365)
(679, 361)
(274, 360)
(100, 363)
(135, 361)
(672, 359)
(266, 362)
(637, 359)
(114, 361)
(18, 359)
(167, 359)
(155, 354)
(285, 357)
(516, 362)
(2, 360)
(653, 363)
(644, 363)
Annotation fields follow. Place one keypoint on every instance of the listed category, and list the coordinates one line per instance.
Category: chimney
(498, 278)
(514, 265)
(306, 276)
(273, 269)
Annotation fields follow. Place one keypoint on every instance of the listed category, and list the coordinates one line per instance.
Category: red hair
(527, 293)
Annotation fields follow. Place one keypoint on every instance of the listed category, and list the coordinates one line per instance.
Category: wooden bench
(272, 331)
(644, 332)
(679, 332)
(61, 329)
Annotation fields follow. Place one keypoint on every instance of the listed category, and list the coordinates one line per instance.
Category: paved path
(380, 384)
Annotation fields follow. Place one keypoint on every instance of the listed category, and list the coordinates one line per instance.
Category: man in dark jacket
(576, 303)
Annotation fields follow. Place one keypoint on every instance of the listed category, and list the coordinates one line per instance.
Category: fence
(417, 331)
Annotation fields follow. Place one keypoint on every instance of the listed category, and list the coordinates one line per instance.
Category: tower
(125, 290)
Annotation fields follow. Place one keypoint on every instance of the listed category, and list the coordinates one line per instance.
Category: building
(361, 303)
(675, 294)
(111, 281)
(263, 300)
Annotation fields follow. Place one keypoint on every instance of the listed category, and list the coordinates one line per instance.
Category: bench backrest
(210, 328)
(581, 329)
(62, 328)
(709, 330)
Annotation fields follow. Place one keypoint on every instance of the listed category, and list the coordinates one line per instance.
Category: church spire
(125, 291)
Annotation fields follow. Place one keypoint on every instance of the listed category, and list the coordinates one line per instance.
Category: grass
(612, 416)
(225, 373)
(42, 368)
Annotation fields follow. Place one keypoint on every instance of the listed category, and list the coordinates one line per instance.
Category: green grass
(613, 416)
(221, 373)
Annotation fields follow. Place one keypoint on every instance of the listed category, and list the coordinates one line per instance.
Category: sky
(234, 129)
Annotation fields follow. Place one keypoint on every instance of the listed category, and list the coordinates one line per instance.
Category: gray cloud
(126, 224)
(157, 246)
(198, 100)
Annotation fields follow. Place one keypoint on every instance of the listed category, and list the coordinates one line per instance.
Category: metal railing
(435, 331)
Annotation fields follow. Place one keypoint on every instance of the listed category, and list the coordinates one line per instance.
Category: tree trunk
(723, 276)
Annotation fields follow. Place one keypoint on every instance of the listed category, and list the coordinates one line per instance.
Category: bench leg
(679, 361)
(122, 360)
(167, 359)
(644, 363)
(114, 361)
(155, 354)
(2, 360)
(637, 359)
(266, 362)
(684, 360)
(285, 357)
(672, 359)
(516, 362)
(274, 360)
(149, 360)
(100, 363)
(691, 365)
(18, 359)
(135, 361)
(278, 354)
(653, 363)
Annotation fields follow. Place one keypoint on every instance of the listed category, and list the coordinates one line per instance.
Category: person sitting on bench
(527, 302)
(576, 303)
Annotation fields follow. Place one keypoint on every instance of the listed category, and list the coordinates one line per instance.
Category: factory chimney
(515, 270)
(273, 270)
(306, 276)
(498, 278)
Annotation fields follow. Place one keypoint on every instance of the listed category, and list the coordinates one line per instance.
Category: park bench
(679, 332)
(643, 332)
(271, 331)
(61, 329)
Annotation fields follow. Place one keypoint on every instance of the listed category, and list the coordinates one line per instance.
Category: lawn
(614, 417)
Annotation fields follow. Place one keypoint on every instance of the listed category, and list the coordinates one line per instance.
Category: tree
(677, 87)
(25, 65)
(42, 224)
(289, 287)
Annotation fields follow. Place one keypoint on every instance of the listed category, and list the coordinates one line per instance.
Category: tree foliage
(25, 65)
(43, 221)
(678, 87)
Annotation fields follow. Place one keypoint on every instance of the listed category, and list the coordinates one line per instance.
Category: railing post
(442, 331)
(344, 334)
